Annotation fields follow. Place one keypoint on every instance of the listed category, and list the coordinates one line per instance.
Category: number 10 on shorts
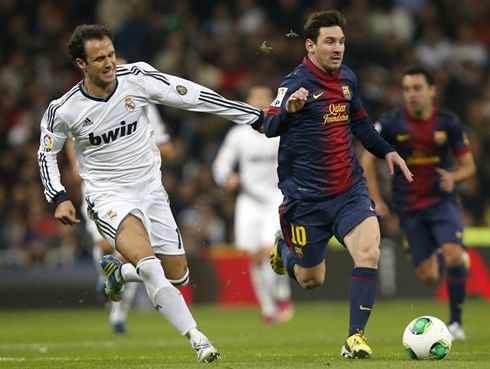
(298, 235)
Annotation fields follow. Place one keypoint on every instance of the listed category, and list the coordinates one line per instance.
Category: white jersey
(113, 140)
(256, 157)
(161, 135)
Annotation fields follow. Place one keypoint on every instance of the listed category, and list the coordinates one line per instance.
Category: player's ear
(309, 44)
(81, 63)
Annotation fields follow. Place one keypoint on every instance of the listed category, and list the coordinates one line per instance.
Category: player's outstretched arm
(66, 213)
(392, 159)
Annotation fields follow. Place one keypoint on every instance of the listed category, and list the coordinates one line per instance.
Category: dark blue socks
(362, 294)
(287, 258)
(456, 287)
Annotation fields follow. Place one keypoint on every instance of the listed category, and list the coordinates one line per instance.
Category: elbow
(472, 170)
(271, 132)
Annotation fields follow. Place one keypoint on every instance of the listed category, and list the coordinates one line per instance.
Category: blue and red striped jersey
(425, 145)
(316, 153)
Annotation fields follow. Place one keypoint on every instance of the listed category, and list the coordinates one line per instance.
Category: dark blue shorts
(429, 228)
(308, 226)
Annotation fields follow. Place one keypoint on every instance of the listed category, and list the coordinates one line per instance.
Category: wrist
(60, 197)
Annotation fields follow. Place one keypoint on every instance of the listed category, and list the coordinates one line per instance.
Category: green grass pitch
(81, 338)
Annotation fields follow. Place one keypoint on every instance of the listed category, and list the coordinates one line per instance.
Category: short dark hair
(429, 77)
(82, 34)
(326, 18)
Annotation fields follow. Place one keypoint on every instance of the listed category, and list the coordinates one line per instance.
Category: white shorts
(108, 211)
(255, 224)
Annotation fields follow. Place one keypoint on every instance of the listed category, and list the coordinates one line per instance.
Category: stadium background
(217, 44)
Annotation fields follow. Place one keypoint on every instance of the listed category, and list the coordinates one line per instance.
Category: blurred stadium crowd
(218, 44)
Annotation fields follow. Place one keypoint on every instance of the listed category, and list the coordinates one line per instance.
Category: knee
(311, 282)
(374, 254)
(428, 277)
(181, 281)
(368, 256)
(453, 255)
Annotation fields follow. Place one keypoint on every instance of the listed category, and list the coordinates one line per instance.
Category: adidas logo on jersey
(87, 122)
(113, 135)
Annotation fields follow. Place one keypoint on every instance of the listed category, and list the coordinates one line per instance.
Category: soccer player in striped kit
(107, 116)
(428, 138)
(317, 113)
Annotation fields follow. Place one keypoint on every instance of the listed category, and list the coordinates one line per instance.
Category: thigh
(132, 240)
(363, 243)
(416, 231)
(247, 221)
(164, 234)
(108, 212)
(354, 206)
(447, 223)
(269, 224)
(175, 266)
(306, 231)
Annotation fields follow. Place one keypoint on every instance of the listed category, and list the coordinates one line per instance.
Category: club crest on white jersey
(129, 103)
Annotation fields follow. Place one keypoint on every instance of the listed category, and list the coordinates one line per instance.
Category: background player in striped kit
(317, 113)
(107, 116)
(430, 218)
(247, 163)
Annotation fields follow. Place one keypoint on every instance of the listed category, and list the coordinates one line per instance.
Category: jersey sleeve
(53, 137)
(278, 120)
(227, 157)
(364, 129)
(457, 138)
(184, 94)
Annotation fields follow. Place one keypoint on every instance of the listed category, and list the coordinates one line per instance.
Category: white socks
(119, 310)
(263, 281)
(128, 274)
(283, 287)
(166, 299)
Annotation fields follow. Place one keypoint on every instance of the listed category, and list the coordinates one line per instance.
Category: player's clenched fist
(297, 100)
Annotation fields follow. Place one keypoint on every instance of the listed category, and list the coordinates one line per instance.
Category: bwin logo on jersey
(113, 134)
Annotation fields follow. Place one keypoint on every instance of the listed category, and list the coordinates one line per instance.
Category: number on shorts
(298, 234)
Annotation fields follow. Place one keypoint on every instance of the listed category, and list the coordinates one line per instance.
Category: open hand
(392, 159)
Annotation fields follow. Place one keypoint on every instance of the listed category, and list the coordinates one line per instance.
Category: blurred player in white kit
(257, 202)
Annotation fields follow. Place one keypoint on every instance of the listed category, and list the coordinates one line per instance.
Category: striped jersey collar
(95, 98)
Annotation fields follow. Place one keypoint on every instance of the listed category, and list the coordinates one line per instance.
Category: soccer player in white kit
(107, 116)
(256, 206)
(119, 310)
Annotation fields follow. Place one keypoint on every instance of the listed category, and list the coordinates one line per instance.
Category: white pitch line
(42, 347)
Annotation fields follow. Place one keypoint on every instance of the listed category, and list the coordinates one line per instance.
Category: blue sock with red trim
(287, 258)
(456, 287)
(363, 289)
